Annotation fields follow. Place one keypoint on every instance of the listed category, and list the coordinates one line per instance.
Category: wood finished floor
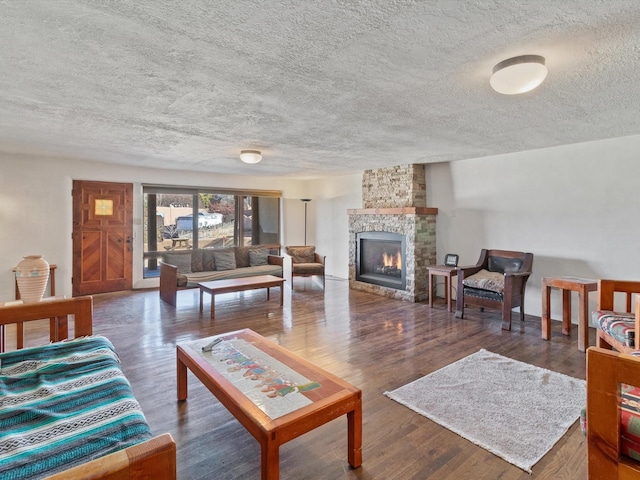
(375, 343)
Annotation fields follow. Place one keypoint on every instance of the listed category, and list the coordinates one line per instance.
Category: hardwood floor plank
(375, 343)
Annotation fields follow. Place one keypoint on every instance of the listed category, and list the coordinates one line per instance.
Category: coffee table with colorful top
(276, 395)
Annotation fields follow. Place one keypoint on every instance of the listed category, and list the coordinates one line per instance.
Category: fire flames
(392, 260)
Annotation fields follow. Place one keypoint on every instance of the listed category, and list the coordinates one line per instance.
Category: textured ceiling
(321, 87)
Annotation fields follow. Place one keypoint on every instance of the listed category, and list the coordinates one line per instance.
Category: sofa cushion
(180, 260)
(504, 264)
(258, 256)
(302, 254)
(225, 259)
(308, 269)
(485, 280)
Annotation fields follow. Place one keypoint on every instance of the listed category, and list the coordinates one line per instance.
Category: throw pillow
(196, 261)
(182, 261)
(485, 280)
(242, 256)
(225, 260)
(258, 257)
(302, 254)
(208, 262)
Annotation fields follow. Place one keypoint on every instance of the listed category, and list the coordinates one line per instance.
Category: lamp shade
(518, 74)
(250, 156)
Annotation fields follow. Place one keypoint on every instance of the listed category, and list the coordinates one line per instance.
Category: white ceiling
(322, 87)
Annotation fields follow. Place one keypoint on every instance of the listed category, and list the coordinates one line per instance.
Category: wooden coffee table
(238, 285)
(252, 376)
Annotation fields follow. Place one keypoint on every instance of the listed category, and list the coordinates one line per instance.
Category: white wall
(329, 225)
(575, 207)
(36, 203)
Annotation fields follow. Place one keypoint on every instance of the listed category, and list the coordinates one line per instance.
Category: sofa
(186, 268)
(67, 409)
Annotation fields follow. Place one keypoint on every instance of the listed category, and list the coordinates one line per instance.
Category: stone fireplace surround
(394, 200)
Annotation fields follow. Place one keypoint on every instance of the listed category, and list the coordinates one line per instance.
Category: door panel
(102, 237)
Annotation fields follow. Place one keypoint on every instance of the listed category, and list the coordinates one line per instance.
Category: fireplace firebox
(380, 259)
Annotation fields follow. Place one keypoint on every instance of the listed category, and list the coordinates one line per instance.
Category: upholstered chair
(497, 281)
(305, 262)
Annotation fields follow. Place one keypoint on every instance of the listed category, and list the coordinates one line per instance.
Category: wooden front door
(102, 237)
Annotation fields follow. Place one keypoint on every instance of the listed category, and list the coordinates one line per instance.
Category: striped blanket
(62, 405)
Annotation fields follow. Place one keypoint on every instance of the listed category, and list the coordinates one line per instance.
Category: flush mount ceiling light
(250, 156)
(518, 74)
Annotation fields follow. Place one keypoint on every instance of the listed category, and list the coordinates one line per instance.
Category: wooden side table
(448, 273)
(568, 284)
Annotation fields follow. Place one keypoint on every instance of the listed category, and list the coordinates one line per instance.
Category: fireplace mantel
(393, 211)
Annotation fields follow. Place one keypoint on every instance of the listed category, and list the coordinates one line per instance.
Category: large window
(183, 218)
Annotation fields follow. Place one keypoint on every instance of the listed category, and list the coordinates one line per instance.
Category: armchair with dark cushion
(497, 281)
(305, 262)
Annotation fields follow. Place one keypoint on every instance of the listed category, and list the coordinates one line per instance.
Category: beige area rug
(515, 410)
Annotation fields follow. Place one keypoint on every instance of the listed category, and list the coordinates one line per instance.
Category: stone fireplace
(392, 239)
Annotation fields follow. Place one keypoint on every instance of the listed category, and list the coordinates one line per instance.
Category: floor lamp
(305, 201)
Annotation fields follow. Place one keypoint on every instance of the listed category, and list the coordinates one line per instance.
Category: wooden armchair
(497, 281)
(616, 327)
(612, 403)
(305, 262)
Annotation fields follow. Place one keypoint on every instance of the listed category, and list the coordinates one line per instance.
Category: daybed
(66, 408)
(185, 268)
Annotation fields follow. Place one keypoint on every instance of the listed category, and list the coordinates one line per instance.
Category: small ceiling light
(518, 74)
(250, 156)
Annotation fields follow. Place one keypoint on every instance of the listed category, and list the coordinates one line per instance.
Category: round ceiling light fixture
(250, 156)
(518, 74)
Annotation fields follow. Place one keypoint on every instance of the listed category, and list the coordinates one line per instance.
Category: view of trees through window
(196, 219)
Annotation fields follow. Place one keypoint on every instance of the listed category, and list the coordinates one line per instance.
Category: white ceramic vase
(32, 274)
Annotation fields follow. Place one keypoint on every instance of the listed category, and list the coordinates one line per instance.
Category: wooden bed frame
(155, 458)
(606, 370)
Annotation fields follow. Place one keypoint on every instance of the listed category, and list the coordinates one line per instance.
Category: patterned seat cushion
(620, 326)
(486, 280)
